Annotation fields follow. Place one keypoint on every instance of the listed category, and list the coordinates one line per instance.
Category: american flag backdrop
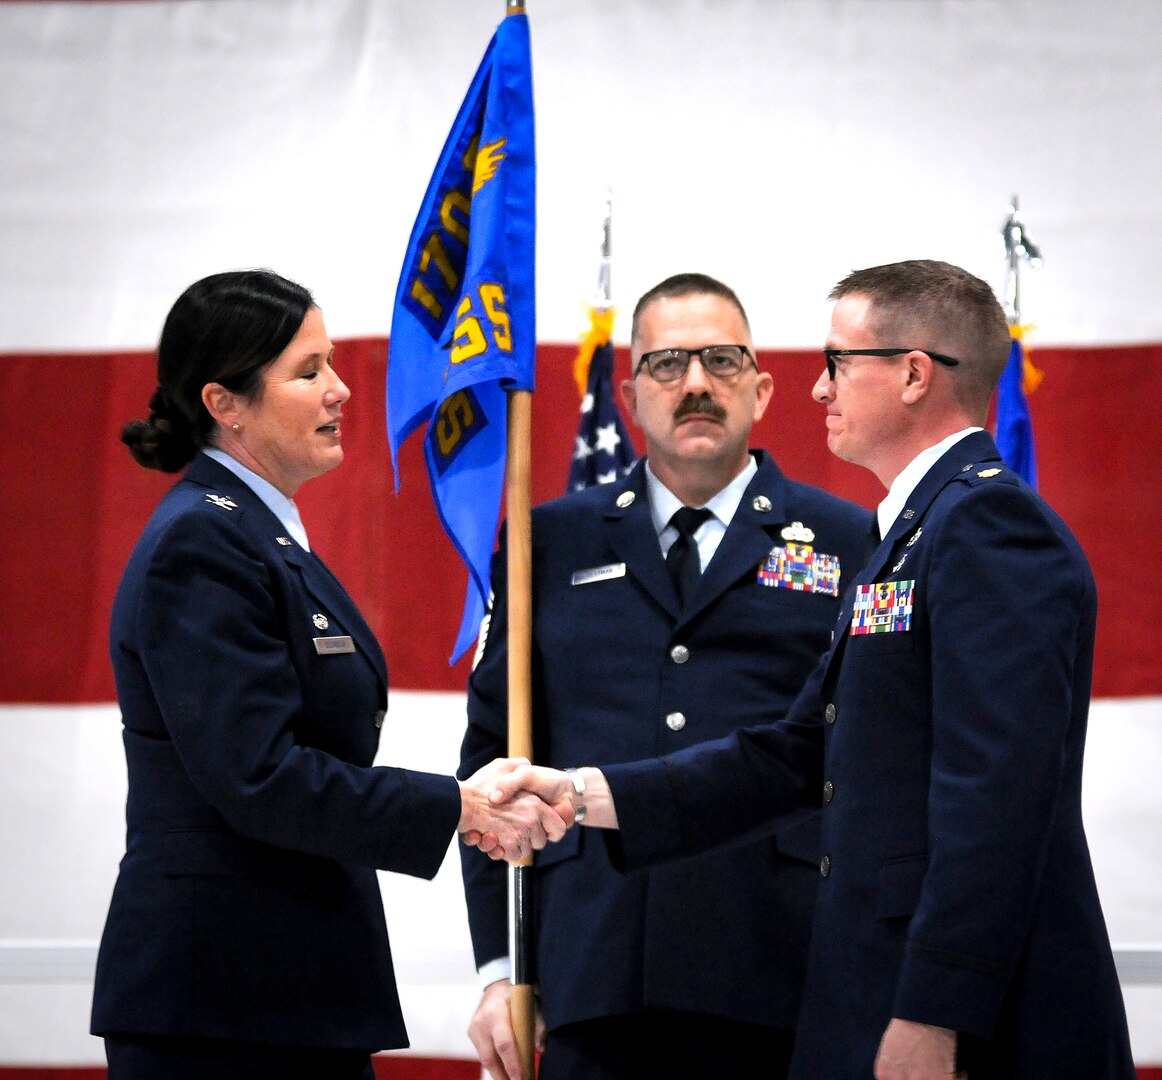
(150, 142)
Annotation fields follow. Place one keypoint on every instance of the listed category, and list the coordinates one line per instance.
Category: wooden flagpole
(519, 551)
(522, 1001)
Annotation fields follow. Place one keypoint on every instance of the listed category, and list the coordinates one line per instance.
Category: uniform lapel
(267, 531)
(321, 583)
(963, 456)
(748, 538)
(631, 536)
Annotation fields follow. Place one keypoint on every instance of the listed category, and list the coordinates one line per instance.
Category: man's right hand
(555, 789)
(492, 1035)
(513, 827)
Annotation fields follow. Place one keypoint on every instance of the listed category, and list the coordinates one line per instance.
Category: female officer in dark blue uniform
(246, 934)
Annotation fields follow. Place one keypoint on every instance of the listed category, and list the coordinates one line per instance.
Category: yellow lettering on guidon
(433, 252)
(492, 297)
(456, 202)
(469, 340)
(456, 416)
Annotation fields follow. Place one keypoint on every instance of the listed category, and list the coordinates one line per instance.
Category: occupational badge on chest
(797, 531)
(802, 568)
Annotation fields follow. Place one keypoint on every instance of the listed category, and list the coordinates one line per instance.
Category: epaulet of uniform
(975, 473)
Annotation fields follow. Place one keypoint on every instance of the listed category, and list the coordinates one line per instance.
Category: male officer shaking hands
(690, 599)
(958, 927)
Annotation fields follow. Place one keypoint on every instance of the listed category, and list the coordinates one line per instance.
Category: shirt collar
(911, 475)
(275, 501)
(663, 502)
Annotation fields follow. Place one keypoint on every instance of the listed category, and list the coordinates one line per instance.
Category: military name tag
(326, 646)
(598, 573)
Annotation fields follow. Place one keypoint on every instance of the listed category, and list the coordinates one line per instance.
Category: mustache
(700, 403)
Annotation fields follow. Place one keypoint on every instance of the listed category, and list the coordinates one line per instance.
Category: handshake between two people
(510, 808)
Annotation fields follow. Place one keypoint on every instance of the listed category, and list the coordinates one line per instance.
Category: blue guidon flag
(1014, 420)
(463, 329)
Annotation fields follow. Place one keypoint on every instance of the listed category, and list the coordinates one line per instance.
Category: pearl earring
(234, 426)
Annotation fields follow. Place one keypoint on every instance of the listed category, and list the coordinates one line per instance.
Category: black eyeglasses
(669, 365)
(831, 355)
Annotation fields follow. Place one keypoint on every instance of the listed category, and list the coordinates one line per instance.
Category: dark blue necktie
(682, 558)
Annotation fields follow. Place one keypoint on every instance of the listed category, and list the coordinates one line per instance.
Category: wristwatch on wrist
(578, 783)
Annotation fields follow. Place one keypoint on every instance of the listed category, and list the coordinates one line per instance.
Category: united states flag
(603, 451)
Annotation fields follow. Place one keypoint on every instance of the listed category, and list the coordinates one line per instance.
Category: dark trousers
(164, 1057)
(665, 1045)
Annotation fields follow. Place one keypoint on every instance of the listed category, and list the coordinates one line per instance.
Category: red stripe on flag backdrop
(75, 502)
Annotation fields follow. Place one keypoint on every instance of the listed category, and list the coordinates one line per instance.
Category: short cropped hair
(688, 284)
(934, 305)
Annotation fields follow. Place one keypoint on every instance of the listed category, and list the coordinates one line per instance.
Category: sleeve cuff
(494, 971)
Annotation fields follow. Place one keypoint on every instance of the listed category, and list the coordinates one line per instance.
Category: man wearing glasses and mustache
(679, 603)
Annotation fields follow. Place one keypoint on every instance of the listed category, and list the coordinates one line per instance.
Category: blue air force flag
(463, 329)
(603, 451)
(1014, 421)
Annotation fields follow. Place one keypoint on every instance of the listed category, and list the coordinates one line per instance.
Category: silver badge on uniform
(320, 621)
(798, 532)
(328, 646)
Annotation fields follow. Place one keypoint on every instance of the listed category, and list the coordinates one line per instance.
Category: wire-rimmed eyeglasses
(831, 355)
(669, 365)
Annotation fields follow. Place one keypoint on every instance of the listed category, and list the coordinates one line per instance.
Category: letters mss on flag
(463, 328)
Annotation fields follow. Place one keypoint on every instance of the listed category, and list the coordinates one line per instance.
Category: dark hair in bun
(227, 328)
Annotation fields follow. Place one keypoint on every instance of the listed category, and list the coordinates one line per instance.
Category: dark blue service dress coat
(252, 694)
(944, 733)
(619, 673)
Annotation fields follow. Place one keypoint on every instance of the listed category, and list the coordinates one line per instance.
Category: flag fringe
(600, 331)
(1031, 376)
